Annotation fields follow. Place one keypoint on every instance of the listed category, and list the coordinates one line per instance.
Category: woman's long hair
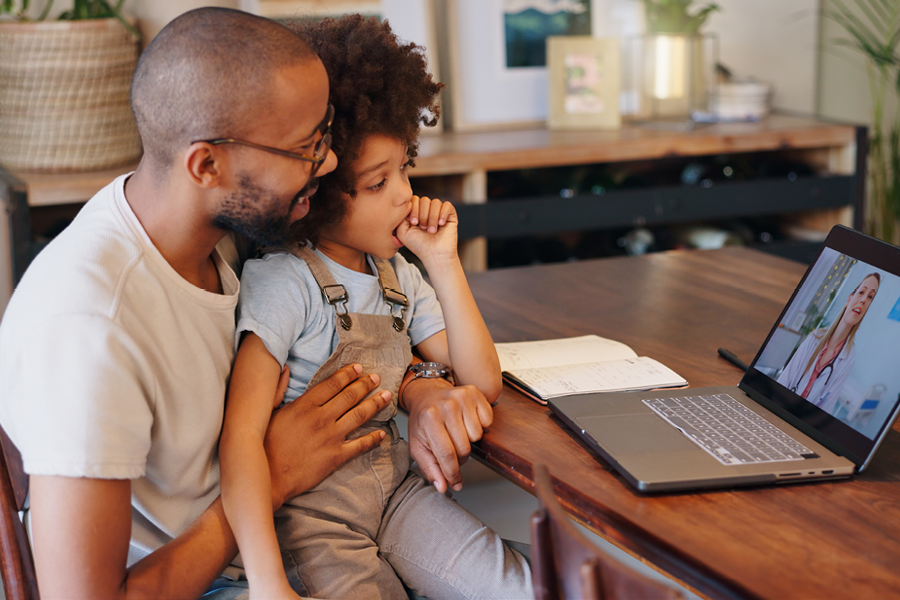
(827, 335)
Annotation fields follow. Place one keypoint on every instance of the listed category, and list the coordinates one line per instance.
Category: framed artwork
(496, 53)
(584, 76)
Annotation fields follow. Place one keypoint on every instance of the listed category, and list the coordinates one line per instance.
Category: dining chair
(16, 561)
(565, 565)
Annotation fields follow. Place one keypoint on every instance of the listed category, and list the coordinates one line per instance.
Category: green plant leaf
(114, 12)
(854, 26)
(873, 29)
(879, 23)
(866, 41)
(46, 10)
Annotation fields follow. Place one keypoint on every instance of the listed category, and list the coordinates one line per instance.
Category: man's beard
(251, 211)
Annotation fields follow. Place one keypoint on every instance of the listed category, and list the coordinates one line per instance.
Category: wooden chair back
(566, 565)
(16, 561)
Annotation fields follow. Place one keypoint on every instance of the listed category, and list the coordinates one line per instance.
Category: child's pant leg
(440, 550)
(337, 562)
(327, 535)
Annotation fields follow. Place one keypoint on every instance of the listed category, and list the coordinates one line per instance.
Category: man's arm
(443, 420)
(81, 527)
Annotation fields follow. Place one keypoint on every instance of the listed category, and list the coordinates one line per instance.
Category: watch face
(430, 369)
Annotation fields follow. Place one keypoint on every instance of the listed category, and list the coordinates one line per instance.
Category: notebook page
(564, 351)
(611, 376)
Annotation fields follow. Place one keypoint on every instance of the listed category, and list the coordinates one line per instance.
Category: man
(116, 347)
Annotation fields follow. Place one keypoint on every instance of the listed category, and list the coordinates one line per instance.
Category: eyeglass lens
(320, 151)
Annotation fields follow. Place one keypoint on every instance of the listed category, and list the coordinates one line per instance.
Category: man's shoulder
(82, 268)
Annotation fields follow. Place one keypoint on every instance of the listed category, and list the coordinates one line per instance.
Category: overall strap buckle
(337, 294)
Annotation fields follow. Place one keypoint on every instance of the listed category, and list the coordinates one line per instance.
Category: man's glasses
(319, 152)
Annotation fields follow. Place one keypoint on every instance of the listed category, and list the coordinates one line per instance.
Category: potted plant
(674, 61)
(874, 30)
(671, 16)
(64, 87)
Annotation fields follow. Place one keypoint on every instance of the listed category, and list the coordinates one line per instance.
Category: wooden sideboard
(458, 166)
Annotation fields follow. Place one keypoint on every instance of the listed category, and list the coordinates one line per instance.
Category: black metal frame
(654, 206)
(514, 217)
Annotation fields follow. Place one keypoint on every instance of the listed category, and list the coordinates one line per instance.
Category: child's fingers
(430, 214)
(414, 211)
(422, 212)
(447, 210)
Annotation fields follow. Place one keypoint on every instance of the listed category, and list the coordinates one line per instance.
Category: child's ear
(203, 165)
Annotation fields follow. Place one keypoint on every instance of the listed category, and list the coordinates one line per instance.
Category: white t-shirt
(113, 366)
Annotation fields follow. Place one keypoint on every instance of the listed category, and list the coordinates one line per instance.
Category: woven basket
(64, 96)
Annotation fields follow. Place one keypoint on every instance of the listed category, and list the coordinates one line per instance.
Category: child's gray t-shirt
(280, 302)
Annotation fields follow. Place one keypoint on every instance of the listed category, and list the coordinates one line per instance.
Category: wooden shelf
(459, 153)
(456, 166)
(50, 189)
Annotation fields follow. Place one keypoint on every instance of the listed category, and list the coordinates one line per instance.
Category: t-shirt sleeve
(274, 303)
(427, 317)
(93, 417)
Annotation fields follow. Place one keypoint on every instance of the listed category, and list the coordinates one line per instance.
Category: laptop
(816, 402)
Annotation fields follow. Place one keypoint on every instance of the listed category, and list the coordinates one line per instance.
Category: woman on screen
(822, 363)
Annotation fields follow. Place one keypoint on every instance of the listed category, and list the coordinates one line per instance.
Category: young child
(341, 295)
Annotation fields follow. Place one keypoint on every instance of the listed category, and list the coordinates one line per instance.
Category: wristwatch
(430, 370)
(425, 370)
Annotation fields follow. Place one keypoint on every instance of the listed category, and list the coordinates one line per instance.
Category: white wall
(773, 41)
(843, 88)
(153, 15)
(784, 42)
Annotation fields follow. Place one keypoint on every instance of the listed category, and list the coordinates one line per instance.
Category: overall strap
(390, 291)
(333, 292)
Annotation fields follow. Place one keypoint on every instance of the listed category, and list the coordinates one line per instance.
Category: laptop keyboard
(727, 430)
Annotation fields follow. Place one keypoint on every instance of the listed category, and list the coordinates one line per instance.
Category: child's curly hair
(378, 85)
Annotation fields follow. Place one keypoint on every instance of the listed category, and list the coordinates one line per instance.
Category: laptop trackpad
(635, 434)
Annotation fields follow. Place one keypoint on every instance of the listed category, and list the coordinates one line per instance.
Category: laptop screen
(831, 360)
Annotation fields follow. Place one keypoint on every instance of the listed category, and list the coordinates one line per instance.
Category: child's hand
(429, 230)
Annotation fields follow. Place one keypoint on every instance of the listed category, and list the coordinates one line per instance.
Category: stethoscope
(829, 367)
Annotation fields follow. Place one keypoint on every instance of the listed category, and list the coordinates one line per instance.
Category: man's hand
(305, 441)
(443, 421)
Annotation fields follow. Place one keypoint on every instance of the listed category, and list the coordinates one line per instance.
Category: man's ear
(203, 165)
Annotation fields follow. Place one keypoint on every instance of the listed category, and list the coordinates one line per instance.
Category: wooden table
(800, 541)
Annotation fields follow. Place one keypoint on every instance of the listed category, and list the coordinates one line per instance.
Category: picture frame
(584, 81)
(486, 90)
